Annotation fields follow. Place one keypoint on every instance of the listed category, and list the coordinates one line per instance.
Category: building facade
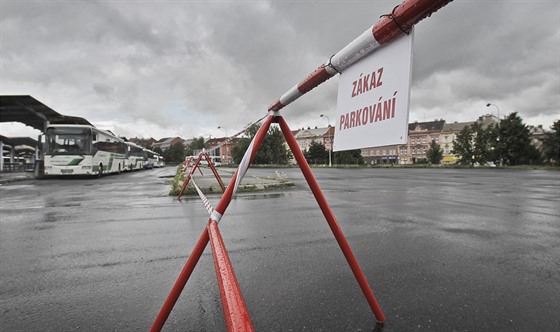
(447, 138)
(420, 135)
(381, 155)
(222, 147)
(305, 137)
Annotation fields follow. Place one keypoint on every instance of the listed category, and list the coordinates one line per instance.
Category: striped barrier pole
(331, 220)
(215, 171)
(203, 198)
(235, 311)
(387, 29)
(216, 215)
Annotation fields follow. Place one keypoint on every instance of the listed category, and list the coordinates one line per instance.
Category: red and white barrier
(399, 22)
(388, 28)
(201, 155)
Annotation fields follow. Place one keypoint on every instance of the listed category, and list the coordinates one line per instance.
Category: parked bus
(149, 159)
(83, 150)
(160, 162)
(135, 156)
(217, 161)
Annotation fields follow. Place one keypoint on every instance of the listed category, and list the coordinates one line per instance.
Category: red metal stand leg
(235, 311)
(215, 171)
(333, 224)
(181, 282)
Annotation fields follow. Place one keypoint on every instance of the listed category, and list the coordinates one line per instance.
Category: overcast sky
(182, 68)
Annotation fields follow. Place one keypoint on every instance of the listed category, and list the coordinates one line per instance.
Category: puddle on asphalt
(260, 196)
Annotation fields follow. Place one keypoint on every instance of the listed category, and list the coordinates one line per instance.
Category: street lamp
(227, 149)
(498, 138)
(497, 108)
(224, 128)
(330, 140)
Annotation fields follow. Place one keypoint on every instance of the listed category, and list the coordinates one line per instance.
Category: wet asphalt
(443, 250)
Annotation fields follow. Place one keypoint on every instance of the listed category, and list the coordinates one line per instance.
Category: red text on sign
(376, 112)
(368, 82)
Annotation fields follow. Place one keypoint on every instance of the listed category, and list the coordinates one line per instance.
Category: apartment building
(420, 135)
(222, 147)
(446, 139)
(325, 136)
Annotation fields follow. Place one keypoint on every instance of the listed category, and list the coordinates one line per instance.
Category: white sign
(373, 98)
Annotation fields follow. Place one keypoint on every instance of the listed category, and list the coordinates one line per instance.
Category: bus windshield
(68, 141)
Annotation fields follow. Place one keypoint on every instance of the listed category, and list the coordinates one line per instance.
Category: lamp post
(227, 149)
(498, 138)
(497, 108)
(330, 140)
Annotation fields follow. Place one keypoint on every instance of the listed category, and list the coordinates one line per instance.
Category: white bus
(217, 161)
(160, 161)
(150, 159)
(83, 150)
(135, 156)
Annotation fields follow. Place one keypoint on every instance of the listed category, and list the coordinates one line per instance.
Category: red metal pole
(189, 176)
(235, 311)
(215, 171)
(333, 224)
(181, 282)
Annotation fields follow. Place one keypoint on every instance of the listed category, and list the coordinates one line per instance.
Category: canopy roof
(33, 113)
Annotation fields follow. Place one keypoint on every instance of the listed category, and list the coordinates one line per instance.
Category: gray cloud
(165, 68)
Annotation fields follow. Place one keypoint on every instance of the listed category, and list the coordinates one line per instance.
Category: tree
(481, 143)
(434, 153)
(238, 151)
(474, 144)
(462, 146)
(196, 144)
(349, 157)
(551, 144)
(515, 142)
(158, 150)
(316, 154)
(272, 150)
(175, 153)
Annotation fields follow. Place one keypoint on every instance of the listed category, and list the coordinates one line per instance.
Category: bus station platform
(8, 177)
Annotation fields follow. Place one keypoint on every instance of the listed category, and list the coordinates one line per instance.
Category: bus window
(68, 141)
